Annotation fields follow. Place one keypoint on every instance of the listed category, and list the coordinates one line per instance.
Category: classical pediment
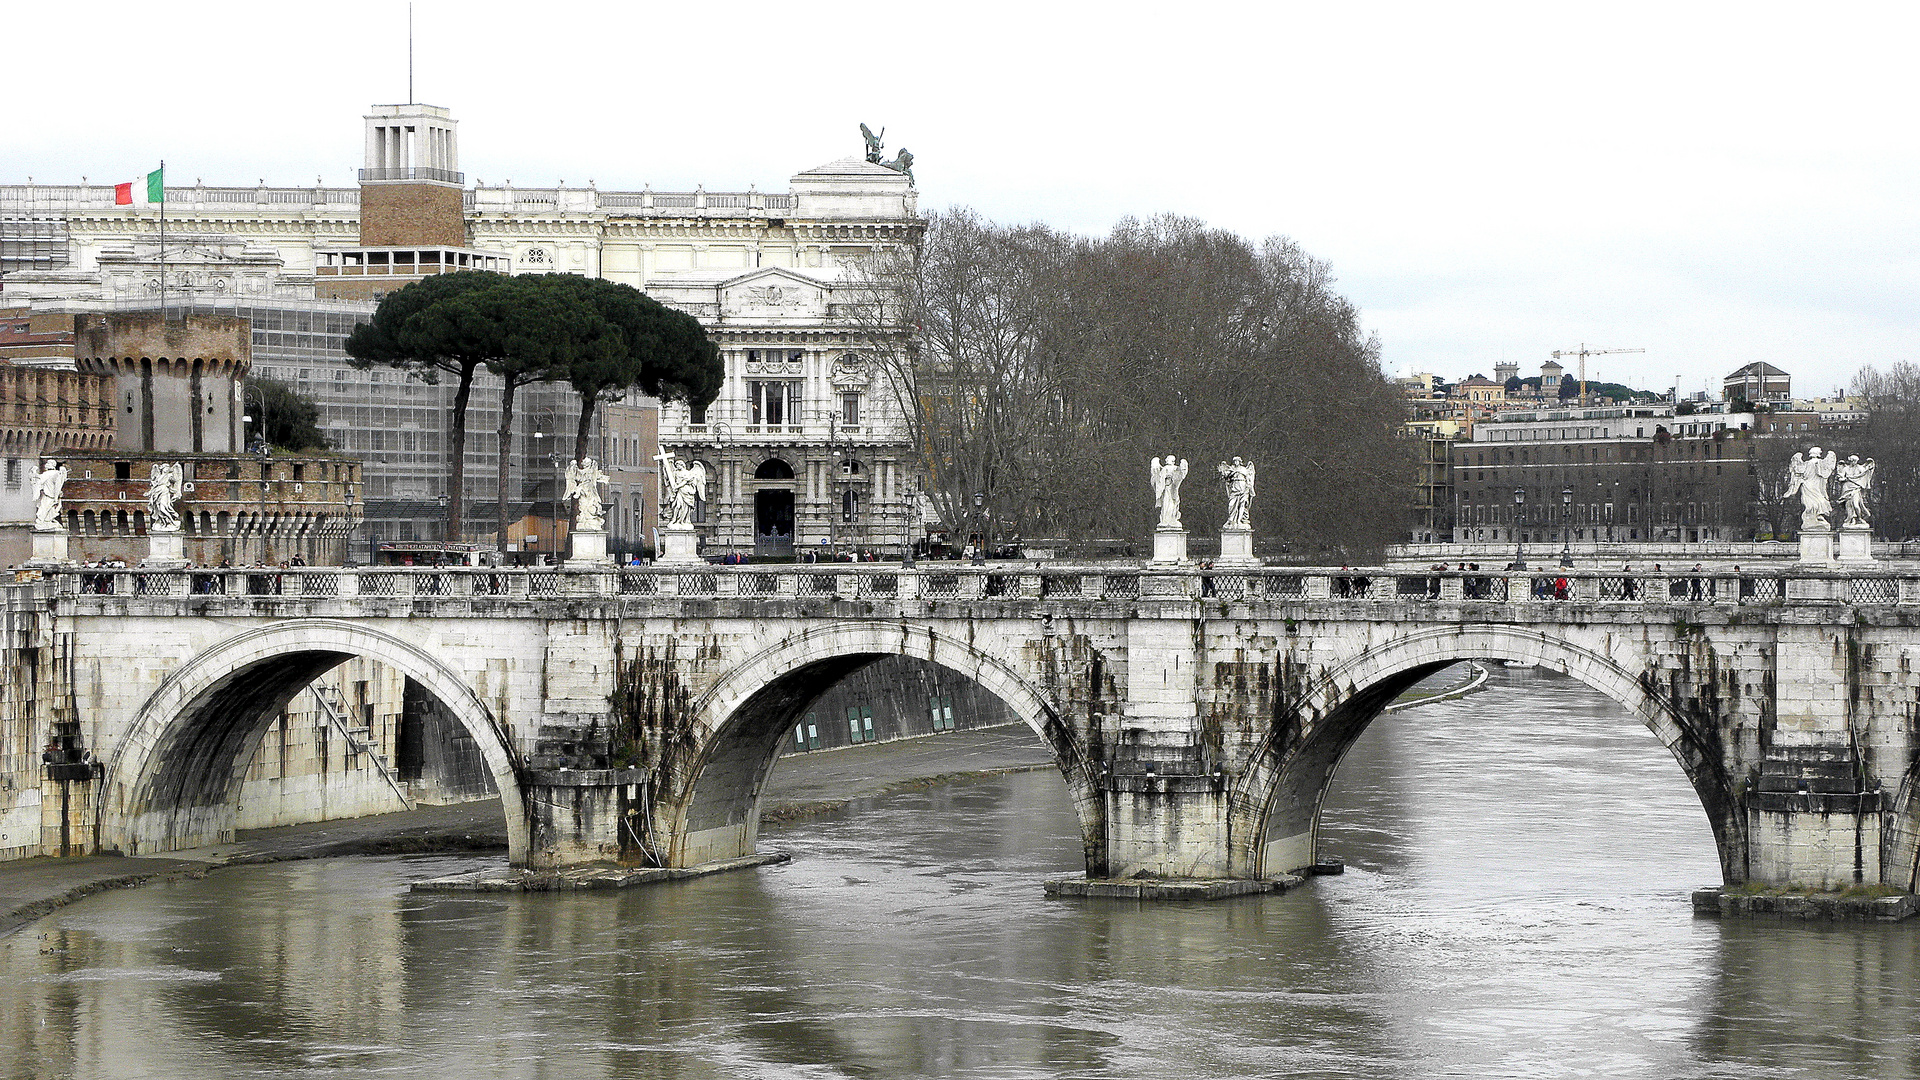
(773, 293)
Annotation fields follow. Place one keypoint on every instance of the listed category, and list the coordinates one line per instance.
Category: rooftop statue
(1807, 475)
(901, 163)
(873, 142)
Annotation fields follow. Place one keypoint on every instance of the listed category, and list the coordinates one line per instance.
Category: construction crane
(1583, 352)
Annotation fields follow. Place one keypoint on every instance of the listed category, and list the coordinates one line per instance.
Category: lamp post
(721, 433)
(1519, 510)
(980, 521)
(911, 498)
(1566, 527)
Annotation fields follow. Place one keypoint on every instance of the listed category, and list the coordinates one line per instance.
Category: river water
(1515, 904)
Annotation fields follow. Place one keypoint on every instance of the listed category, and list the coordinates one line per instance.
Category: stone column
(1816, 546)
(679, 546)
(166, 550)
(1856, 544)
(49, 549)
(589, 549)
(1236, 548)
(1169, 545)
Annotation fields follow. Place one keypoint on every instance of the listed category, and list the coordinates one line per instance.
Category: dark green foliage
(286, 419)
(601, 337)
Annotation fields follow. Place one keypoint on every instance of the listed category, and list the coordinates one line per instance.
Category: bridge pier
(577, 817)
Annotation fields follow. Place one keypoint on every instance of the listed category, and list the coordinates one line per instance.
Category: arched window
(773, 469)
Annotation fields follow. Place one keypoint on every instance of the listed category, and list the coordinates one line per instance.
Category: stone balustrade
(1070, 584)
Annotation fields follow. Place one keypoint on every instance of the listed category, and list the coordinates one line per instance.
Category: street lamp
(980, 520)
(1566, 527)
(912, 501)
(1519, 509)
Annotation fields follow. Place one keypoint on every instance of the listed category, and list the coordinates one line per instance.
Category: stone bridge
(1197, 716)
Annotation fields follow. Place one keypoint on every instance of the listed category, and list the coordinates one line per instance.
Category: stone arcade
(1197, 716)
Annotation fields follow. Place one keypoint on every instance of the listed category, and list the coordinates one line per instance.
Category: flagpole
(163, 241)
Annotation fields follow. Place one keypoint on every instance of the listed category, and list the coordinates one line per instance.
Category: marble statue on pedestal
(1238, 475)
(584, 480)
(683, 488)
(1856, 477)
(46, 497)
(165, 484)
(1807, 476)
(1167, 476)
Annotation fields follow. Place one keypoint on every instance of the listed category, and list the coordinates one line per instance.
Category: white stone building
(804, 444)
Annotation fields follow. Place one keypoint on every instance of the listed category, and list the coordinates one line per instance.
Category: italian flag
(156, 189)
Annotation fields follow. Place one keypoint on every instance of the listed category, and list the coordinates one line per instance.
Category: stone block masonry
(1196, 716)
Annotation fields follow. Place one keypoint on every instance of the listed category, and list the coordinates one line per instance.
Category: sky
(1712, 183)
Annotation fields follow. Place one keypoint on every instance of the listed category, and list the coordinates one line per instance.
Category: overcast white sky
(1714, 183)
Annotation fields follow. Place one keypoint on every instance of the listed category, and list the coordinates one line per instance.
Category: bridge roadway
(1196, 715)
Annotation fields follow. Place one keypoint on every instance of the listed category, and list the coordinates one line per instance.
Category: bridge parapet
(1025, 583)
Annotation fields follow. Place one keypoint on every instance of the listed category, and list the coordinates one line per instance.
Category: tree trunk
(587, 404)
(505, 467)
(457, 450)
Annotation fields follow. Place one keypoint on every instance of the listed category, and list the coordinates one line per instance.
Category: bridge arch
(1277, 808)
(712, 807)
(172, 780)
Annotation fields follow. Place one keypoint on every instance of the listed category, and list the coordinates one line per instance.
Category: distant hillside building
(1759, 382)
(1621, 474)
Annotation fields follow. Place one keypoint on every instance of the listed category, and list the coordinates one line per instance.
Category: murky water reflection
(1514, 905)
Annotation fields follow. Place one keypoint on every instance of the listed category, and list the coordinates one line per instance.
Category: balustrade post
(1317, 586)
(345, 582)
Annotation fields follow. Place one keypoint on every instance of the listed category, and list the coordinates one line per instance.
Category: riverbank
(802, 785)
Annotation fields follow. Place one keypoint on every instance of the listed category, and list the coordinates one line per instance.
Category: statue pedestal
(1816, 546)
(589, 548)
(49, 549)
(1856, 544)
(165, 551)
(679, 546)
(1169, 545)
(1236, 548)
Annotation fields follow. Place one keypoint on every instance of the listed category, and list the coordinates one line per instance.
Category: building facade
(771, 275)
(1613, 474)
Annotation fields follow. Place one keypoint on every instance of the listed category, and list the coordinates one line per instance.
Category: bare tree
(1046, 369)
(1891, 436)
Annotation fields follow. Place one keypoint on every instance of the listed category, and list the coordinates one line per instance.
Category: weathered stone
(1196, 731)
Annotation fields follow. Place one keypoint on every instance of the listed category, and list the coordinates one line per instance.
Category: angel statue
(1238, 475)
(165, 485)
(1808, 475)
(46, 497)
(1856, 477)
(683, 488)
(1166, 476)
(584, 478)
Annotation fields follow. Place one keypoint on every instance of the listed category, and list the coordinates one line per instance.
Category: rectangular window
(850, 410)
(774, 403)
